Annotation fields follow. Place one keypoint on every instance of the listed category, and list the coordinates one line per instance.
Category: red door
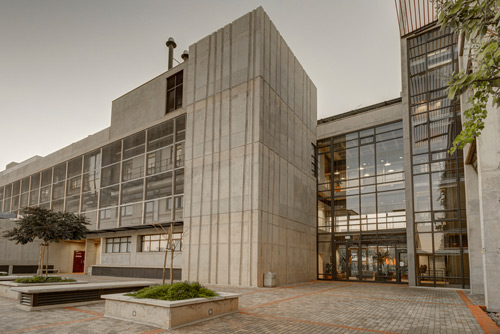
(78, 261)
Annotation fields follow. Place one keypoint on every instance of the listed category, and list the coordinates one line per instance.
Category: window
(438, 185)
(174, 92)
(109, 183)
(158, 242)
(118, 245)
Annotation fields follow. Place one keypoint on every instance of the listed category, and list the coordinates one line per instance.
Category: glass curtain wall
(438, 176)
(136, 180)
(361, 206)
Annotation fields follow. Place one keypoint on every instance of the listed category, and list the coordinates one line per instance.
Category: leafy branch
(479, 22)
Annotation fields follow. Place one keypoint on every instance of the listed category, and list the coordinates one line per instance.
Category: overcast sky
(63, 62)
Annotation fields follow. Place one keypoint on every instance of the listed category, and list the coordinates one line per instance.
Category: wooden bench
(42, 297)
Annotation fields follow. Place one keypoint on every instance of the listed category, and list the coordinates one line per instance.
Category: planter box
(5, 287)
(169, 314)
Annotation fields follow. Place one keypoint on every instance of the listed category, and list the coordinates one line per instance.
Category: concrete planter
(169, 314)
(5, 287)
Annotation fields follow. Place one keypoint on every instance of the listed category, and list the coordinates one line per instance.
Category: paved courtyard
(311, 307)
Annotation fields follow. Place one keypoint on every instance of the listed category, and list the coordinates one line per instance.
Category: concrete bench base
(42, 297)
(169, 314)
(6, 291)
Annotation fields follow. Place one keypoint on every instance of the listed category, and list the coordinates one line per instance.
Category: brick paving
(311, 307)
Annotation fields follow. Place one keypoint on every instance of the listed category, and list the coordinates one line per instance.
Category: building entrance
(369, 261)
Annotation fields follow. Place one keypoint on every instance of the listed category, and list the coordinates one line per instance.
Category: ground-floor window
(158, 242)
(118, 245)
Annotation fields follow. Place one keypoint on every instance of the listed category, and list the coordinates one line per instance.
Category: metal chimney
(185, 55)
(171, 46)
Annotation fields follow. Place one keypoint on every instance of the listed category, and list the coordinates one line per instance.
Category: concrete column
(473, 230)
(410, 227)
(488, 159)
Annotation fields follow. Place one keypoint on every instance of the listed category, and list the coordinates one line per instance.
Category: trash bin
(270, 280)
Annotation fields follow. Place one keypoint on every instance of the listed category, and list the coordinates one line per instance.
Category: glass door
(353, 262)
(341, 262)
(386, 260)
(368, 262)
(402, 266)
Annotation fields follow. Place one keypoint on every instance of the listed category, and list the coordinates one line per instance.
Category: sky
(62, 62)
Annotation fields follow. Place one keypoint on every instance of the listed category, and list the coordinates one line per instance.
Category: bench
(6, 286)
(42, 297)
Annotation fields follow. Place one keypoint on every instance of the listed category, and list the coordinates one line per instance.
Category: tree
(48, 226)
(479, 22)
(171, 246)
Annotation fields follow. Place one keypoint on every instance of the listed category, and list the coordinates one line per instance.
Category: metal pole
(171, 46)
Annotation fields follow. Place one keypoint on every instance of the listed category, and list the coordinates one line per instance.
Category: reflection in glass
(134, 145)
(131, 214)
(158, 211)
(133, 168)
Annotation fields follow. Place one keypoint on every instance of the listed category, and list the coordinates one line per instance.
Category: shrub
(3, 274)
(176, 291)
(41, 279)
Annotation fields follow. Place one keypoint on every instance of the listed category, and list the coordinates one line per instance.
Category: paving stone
(311, 307)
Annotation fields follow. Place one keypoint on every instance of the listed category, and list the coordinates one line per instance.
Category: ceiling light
(361, 168)
(390, 171)
(387, 163)
(367, 174)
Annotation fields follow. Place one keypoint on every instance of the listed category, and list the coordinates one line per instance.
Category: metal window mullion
(39, 187)
(98, 206)
(317, 217)
(426, 87)
(29, 192)
(332, 211)
(19, 196)
(411, 154)
(51, 188)
(3, 200)
(81, 186)
(65, 185)
(457, 178)
(174, 163)
(375, 159)
(119, 209)
(144, 175)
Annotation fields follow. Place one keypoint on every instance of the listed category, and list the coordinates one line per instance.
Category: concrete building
(227, 147)
(220, 145)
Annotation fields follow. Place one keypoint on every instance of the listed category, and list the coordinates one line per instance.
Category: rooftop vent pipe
(185, 55)
(171, 46)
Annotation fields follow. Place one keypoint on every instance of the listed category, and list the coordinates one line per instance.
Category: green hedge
(42, 279)
(176, 291)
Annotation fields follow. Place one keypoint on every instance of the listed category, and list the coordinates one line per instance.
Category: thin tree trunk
(164, 262)
(40, 261)
(47, 270)
(172, 248)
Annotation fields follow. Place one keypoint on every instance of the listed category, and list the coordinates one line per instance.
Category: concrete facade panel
(255, 164)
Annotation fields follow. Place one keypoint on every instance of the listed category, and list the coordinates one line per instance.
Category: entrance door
(353, 262)
(78, 261)
(402, 266)
(368, 262)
